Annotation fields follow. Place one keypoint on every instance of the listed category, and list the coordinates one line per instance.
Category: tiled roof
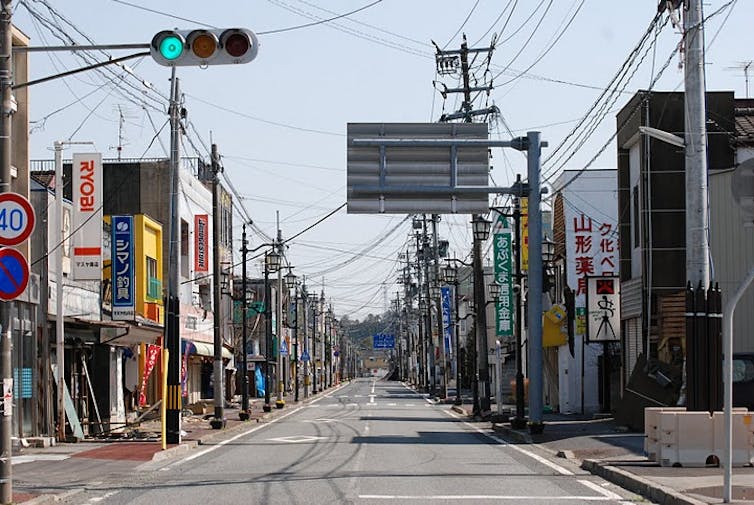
(745, 126)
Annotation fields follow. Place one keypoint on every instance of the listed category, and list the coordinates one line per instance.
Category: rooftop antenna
(745, 66)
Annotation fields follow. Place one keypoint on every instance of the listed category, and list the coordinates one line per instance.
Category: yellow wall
(148, 238)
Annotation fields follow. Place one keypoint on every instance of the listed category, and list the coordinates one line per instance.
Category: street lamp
(315, 302)
(291, 284)
(481, 230)
(450, 275)
(271, 264)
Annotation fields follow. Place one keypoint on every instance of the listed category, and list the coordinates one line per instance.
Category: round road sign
(14, 273)
(16, 218)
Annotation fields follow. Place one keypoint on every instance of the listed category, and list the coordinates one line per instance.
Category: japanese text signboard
(593, 249)
(446, 322)
(504, 308)
(87, 216)
(603, 309)
(383, 341)
(123, 268)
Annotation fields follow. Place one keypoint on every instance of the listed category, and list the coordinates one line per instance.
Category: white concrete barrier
(743, 436)
(652, 429)
(686, 438)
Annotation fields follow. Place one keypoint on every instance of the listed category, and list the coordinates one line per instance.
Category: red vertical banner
(201, 243)
(153, 355)
(184, 372)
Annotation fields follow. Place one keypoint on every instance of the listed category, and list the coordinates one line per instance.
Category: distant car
(743, 380)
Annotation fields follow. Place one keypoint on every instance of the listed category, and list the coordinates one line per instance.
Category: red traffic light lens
(236, 44)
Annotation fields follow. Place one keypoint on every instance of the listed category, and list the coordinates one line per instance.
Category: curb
(639, 485)
(522, 437)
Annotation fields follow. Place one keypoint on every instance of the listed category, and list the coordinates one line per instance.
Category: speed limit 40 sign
(16, 219)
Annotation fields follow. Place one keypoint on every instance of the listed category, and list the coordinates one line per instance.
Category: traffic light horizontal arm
(78, 70)
(47, 49)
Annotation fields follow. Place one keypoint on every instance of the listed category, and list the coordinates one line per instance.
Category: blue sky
(280, 120)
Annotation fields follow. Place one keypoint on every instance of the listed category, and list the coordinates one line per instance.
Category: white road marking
(537, 457)
(410, 405)
(296, 439)
(373, 383)
(371, 398)
(391, 404)
(601, 490)
(477, 497)
(105, 496)
(352, 404)
(358, 396)
(248, 432)
(320, 420)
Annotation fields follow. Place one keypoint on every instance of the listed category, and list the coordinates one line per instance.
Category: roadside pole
(6, 81)
(172, 326)
(218, 421)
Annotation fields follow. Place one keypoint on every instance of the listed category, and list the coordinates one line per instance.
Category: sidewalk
(608, 450)
(39, 478)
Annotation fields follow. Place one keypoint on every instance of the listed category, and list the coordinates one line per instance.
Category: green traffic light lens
(171, 47)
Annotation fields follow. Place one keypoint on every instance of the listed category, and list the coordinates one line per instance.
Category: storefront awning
(205, 349)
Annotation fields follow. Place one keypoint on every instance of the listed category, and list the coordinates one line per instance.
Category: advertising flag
(87, 216)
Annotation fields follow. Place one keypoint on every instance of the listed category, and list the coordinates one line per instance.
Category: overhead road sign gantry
(437, 168)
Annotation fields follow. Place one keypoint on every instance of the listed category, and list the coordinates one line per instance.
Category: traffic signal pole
(219, 376)
(172, 334)
(6, 81)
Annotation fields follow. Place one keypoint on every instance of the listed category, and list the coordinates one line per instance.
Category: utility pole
(438, 300)
(172, 334)
(219, 379)
(422, 341)
(697, 205)
(447, 63)
(244, 414)
(427, 292)
(280, 402)
(6, 82)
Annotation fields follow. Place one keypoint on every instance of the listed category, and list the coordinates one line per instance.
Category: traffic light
(173, 48)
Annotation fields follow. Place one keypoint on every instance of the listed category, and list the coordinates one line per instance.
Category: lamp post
(481, 230)
(305, 355)
(291, 284)
(315, 301)
(271, 264)
(244, 413)
(450, 274)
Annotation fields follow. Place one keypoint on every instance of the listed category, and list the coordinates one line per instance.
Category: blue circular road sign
(14, 273)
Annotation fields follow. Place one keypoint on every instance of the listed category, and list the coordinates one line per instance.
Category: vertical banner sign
(153, 354)
(524, 234)
(446, 324)
(503, 276)
(123, 268)
(184, 371)
(201, 242)
(603, 309)
(87, 216)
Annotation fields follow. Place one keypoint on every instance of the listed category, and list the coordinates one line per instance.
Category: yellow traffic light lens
(171, 47)
(204, 46)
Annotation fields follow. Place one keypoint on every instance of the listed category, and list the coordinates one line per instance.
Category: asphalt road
(369, 442)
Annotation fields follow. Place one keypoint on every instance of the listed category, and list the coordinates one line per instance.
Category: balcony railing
(154, 289)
